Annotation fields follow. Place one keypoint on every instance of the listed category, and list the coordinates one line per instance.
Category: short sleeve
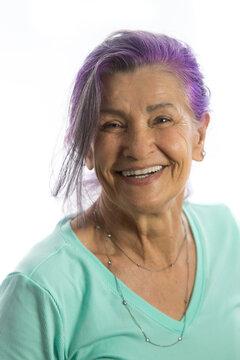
(31, 325)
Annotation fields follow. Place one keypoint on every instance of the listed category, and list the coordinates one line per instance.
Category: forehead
(144, 86)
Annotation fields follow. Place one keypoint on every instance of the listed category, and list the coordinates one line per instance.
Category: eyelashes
(116, 126)
(111, 126)
(162, 120)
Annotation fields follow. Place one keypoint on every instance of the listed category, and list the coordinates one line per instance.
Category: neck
(152, 238)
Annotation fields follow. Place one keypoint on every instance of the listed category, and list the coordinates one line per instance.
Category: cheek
(107, 146)
(176, 143)
(105, 153)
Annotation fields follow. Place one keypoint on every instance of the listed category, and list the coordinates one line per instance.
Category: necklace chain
(124, 302)
(171, 265)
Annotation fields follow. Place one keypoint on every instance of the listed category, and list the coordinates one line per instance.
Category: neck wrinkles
(151, 238)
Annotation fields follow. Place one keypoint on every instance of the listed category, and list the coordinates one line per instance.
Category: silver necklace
(171, 265)
(143, 266)
(124, 302)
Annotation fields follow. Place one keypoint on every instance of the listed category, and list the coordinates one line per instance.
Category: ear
(199, 137)
(90, 159)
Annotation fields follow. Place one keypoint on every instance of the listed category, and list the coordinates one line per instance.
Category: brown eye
(111, 126)
(162, 120)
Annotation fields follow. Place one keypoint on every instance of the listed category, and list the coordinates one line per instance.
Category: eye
(111, 126)
(162, 120)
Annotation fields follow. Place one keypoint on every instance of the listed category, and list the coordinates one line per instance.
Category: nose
(140, 143)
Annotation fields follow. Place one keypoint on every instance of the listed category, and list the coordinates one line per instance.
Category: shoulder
(45, 293)
(31, 300)
(53, 264)
(47, 252)
(215, 221)
(210, 212)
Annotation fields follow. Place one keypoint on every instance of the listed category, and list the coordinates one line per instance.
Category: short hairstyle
(121, 51)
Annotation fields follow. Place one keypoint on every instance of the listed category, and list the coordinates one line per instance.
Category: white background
(43, 44)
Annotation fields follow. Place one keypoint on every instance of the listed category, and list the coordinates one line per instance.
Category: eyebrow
(149, 109)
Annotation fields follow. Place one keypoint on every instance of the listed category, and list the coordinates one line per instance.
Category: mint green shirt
(62, 302)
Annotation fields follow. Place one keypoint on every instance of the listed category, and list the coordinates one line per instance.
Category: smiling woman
(145, 121)
(138, 275)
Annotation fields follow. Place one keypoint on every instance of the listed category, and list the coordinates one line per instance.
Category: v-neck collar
(134, 300)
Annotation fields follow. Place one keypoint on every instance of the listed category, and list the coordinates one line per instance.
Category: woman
(141, 274)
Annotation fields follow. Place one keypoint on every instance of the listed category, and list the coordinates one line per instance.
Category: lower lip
(131, 180)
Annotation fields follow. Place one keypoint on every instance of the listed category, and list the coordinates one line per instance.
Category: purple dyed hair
(121, 51)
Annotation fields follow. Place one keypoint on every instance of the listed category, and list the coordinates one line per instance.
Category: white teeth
(142, 173)
(141, 176)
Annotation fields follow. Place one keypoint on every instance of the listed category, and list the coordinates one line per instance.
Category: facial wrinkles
(184, 130)
(133, 102)
(137, 118)
(133, 98)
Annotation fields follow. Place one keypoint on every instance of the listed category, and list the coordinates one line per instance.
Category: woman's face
(146, 139)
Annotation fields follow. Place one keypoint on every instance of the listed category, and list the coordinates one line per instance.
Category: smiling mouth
(141, 173)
